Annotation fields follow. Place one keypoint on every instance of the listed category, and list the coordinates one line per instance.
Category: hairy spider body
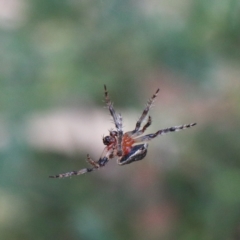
(127, 147)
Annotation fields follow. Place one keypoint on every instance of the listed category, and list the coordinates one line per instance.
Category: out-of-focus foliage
(56, 56)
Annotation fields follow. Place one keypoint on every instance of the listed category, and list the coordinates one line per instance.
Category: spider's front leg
(117, 118)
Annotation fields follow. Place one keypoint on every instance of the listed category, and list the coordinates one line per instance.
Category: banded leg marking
(145, 112)
(149, 137)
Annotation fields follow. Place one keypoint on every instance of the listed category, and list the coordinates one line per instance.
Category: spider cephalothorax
(128, 147)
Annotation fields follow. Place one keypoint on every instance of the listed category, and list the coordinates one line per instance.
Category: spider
(128, 147)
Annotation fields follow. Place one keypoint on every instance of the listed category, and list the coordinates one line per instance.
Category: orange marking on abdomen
(127, 143)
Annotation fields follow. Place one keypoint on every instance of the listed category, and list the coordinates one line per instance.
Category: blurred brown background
(55, 57)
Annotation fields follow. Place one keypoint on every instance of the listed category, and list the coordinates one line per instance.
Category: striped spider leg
(117, 119)
(103, 160)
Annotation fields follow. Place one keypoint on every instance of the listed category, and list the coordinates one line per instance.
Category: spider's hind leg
(73, 173)
(149, 137)
(95, 165)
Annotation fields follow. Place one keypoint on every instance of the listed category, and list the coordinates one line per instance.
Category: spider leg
(119, 138)
(117, 118)
(73, 173)
(149, 137)
(140, 132)
(145, 112)
(149, 122)
(96, 165)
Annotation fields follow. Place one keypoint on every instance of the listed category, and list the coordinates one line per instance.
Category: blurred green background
(55, 58)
